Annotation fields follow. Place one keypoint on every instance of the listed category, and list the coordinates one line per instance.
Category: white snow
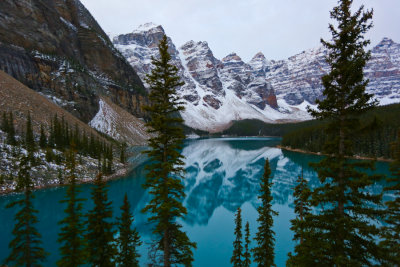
(69, 24)
(108, 121)
(294, 80)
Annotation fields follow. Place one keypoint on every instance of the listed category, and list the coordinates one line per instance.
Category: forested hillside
(378, 129)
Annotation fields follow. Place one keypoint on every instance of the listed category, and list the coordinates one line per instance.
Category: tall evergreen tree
(26, 247)
(43, 139)
(29, 138)
(72, 235)
(391, 233)
(343, 232)
(263, 252)
(302, 209)
(122, 156)
(4, 123)
(164, 177)
(237, 255)
(246, 254)
(301, 206)
(100, 234)
(11, 130)
(128, 240)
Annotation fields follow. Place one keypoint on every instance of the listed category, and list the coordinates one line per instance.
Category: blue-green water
(222, 174)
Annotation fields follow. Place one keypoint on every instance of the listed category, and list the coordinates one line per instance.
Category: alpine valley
(58, 50)
(219, 91)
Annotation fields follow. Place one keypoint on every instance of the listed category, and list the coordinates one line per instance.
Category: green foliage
(26, 247)
(377, 130)
(391, 232)
(11, 130)
(71, 236)
(128, 240)
(263, 252)
(301, 207)
(100, 234)
(237, 254)
(299, 227)
(122, 156)
(4, 123)
(253, 127)
(29, 138)
(246, 254)
(165, 170)
(344, 232)
(43, 138)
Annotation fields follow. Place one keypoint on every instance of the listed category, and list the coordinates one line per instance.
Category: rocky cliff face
(57, 48)
(299, 77)
(216, 92)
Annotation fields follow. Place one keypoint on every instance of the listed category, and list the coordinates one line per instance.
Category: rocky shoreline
(322, 154)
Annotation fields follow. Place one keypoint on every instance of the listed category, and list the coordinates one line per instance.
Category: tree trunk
(341, 157)
(166, 250)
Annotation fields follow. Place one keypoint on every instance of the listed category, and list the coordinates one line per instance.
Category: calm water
(222, 174)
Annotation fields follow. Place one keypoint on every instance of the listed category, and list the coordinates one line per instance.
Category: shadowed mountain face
(57, 48)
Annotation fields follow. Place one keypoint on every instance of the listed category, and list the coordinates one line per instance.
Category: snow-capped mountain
(216, 92)
(299, 77)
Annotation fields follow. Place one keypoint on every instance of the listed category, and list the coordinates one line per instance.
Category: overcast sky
(278, 28)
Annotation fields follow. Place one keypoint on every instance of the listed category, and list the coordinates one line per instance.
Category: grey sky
(278, 28)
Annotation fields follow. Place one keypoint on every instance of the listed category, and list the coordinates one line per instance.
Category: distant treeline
(255, 127)
(372, 137)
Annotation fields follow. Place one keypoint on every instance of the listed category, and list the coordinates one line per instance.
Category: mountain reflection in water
(222, 174)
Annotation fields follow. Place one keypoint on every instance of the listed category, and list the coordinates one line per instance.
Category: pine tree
(122, 156)
(26, 247)
(43, 139)
(29, 139)
(246, 254)
(11, 130)
(237, 254)
(164, 177)
(71, 237)
(263, 252)
(100, 234)
(302, 209)
(343, 232)
(391, 232)
(301, 206)
(4, 123)
(128, 240)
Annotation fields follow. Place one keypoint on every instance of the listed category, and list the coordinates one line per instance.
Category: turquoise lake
(222, 175)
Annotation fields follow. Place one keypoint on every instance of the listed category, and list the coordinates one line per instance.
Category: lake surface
(222, 175)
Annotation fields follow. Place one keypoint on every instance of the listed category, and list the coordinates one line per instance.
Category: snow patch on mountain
(217, 92)
(119, 124)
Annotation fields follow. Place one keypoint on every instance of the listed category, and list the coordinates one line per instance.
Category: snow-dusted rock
(299, 77)
(119, 124)
(216, 92)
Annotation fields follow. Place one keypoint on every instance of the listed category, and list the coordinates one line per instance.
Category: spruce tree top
(344, 93)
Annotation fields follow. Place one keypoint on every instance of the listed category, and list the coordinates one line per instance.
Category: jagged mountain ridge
(57, 48)
(217, 92)
(299, 77)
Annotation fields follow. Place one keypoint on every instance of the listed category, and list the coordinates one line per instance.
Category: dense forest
(253, 127)
(378, 129)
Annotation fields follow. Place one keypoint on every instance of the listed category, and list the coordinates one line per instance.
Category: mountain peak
(232, 57)
(149, 27)
(259, 55)
(386, 41)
